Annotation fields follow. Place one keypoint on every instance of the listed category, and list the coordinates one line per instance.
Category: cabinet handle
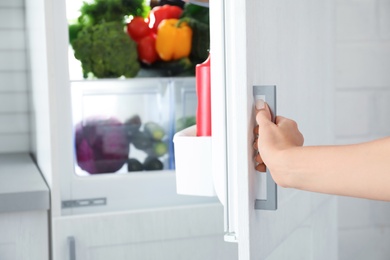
(72, 248)
(267, 94)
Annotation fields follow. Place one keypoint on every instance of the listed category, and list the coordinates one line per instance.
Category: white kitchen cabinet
(24, 209)
(24, 235)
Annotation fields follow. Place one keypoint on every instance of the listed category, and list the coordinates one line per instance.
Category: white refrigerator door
(288, 44)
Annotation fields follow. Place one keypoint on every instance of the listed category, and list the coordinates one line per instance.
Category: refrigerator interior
(124, 115)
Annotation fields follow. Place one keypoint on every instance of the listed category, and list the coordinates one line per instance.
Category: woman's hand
(272, 140)
(359, 170)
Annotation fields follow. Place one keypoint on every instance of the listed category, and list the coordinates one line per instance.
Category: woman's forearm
(361, 170)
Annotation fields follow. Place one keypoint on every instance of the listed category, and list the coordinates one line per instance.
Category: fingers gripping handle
(267, 94)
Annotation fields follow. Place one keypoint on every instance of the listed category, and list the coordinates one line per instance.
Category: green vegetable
(185, 122)
(198, 19)
(74, 30)
(152, 163)
(200, 41)
(142, 141)
(133, 165)
(158, 149)
(100, 11)
(154, 130)
(106, 51)
(197, 12)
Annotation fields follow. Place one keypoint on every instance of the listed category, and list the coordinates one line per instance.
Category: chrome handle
(267, 94)
(72, 248)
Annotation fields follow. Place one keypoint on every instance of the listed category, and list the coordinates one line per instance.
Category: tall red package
(203, 91)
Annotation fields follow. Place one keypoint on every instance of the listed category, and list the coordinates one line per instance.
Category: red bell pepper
(146, 49)
(159, 13)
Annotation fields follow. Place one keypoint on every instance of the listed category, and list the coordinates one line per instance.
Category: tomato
(138, 28)
(147, 49)
(159, 13)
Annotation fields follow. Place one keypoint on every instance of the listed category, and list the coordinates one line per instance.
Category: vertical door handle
(72, 248)
(267, 94)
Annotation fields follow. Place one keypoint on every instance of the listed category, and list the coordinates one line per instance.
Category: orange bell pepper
(174, 39)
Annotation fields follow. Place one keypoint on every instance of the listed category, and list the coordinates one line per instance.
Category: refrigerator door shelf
(193, 163)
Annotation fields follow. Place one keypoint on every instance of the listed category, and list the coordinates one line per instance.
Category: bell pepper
(160, 13)
(174, 39)
(146, 48)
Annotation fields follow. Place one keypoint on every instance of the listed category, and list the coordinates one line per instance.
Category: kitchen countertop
(22, 187)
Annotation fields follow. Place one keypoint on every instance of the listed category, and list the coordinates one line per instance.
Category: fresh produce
(74, 30)
(152, 164)
(160, 13)
(146, 48)
(148, 138)
(173, 40)
(154, 131)
(157, 149)
(185, 122)
(102, 11)
(106, 51)
(154, 53)
(98, 39)
(133, 165)
(138, 28)
(198, 19)
(141, 141)
(101, 145)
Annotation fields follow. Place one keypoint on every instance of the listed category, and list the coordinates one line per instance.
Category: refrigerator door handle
(267, 94)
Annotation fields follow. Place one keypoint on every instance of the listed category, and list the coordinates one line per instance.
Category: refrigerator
(284, 44)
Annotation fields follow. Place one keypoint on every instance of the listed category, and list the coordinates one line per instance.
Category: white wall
(362, 77)
(14, 107)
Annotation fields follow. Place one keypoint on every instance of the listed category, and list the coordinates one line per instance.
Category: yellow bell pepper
(174, 39)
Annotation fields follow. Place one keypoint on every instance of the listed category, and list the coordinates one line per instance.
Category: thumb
(263, 115)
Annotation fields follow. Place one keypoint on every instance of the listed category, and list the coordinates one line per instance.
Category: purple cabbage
(101, 144)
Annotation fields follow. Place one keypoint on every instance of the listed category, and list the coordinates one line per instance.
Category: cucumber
(152, 163)
(158, 149)
(133, 165)
(185, 122)
(154, 131)
(142, 141)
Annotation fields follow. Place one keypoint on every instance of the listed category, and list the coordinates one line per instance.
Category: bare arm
(360, 170)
